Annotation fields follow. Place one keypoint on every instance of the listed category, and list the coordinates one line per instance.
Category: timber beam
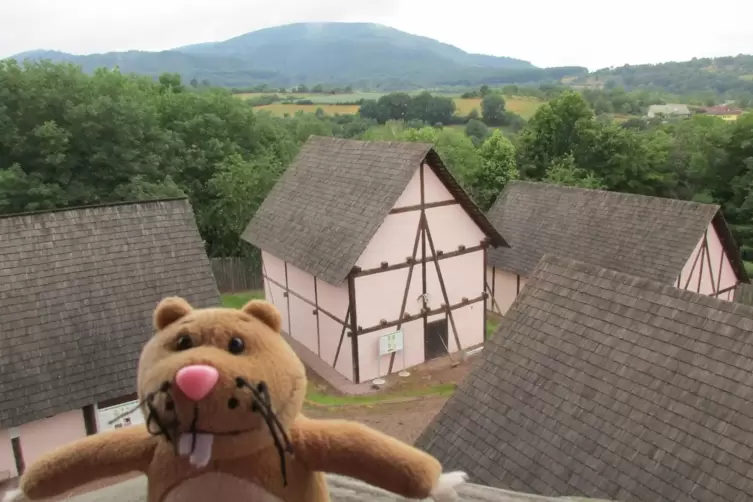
(410, 261)
(425, 312)
(725, 290)
(428, 205)
(300, 297)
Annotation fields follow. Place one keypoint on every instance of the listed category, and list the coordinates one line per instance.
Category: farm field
(523, 106)
(340, 103)
(281, 109)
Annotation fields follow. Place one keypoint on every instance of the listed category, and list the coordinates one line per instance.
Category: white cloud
(591, 33)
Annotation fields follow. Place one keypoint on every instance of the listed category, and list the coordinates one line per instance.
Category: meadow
(343, 103)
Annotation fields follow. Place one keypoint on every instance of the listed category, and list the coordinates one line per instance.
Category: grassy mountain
(724, 75)
(361, 54)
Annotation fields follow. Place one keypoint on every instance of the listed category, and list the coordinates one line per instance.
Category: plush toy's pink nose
(196, 381)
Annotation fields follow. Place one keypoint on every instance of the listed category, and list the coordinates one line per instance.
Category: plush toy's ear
(265, 312)
(170, 310)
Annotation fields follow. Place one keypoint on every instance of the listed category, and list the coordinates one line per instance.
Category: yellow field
(282, 109)
(747, 77)
(523, 106)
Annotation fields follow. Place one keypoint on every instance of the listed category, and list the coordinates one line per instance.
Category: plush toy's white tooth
(13, 495)
(184, 444)
(202, 453)
(444, 491)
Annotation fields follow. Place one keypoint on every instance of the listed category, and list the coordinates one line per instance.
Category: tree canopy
(68, 138)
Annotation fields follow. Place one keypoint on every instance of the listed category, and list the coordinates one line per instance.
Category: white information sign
(106, 415)
(392, 342)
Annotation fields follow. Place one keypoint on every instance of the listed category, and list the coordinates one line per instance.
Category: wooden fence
(235, 274)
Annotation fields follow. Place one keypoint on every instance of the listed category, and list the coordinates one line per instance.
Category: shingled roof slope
(650, 237)
(341, 489)
(329, 203)
(77, 292)
(603, 384)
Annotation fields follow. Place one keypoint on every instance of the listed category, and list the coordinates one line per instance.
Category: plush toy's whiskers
(262, 404)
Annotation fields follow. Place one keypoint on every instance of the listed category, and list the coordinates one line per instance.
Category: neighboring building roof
(603, 384)
(722, 110)
(650, 237)
(669, 109)
(326, 208)
(77, 292)
(341, 489)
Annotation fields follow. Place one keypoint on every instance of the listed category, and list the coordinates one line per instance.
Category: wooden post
(494, 302)
(405, 293)
(441, 284)
(424, 307)
(494, 286)
(721, 265)
(486, 285)
(318, 335)
(700, 272)
(708, 262)
(692, 269)
(287, 297)
(354, 327)
(342, 336)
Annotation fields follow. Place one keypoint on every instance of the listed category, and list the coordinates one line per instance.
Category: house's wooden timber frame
(350, 324)
(491, 290)
(703, 261)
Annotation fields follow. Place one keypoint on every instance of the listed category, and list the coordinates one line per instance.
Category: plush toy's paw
(444, 491)
(13, 495)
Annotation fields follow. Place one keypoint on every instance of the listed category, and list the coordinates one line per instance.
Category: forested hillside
(68, 138)
(727, 76)
(363, 55)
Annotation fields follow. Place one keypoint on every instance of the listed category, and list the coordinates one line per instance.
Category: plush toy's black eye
(184, 342)
(236, 345)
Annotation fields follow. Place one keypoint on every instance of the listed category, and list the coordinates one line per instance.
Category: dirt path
(404, 421)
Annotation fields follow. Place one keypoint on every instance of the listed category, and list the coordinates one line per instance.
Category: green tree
(494, 170)
(493, 109)
(477, 131)
(563, 171)
(563, 126)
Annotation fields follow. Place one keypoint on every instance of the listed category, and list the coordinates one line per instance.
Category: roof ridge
(333, 139)
(91, 206)
(642, 283)
(612, 193)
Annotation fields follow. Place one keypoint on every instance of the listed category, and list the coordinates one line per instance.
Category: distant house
(686, 244)
(723, 112)
(607, 385)
(77, 292)
(374, 255)
(668, 110)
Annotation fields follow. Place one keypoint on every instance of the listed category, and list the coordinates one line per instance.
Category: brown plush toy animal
(222, 392)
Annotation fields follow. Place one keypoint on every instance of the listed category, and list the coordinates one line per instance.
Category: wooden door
(435, 339)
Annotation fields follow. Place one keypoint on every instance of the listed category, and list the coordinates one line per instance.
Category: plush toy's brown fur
(245, 462)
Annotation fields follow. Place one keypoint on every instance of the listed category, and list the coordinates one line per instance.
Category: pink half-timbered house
(682, 243)
(374, 243)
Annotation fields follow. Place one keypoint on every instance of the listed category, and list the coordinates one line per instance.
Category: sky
(591, 33)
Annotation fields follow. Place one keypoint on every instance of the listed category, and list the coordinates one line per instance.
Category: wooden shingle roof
(607, 385)
(650, 237)
(77, 292)
(330, 202)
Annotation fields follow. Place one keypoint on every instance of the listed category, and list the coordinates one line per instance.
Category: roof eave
(730, 246)
(434, 161)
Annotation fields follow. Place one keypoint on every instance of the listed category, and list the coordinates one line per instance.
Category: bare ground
(404, 421)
